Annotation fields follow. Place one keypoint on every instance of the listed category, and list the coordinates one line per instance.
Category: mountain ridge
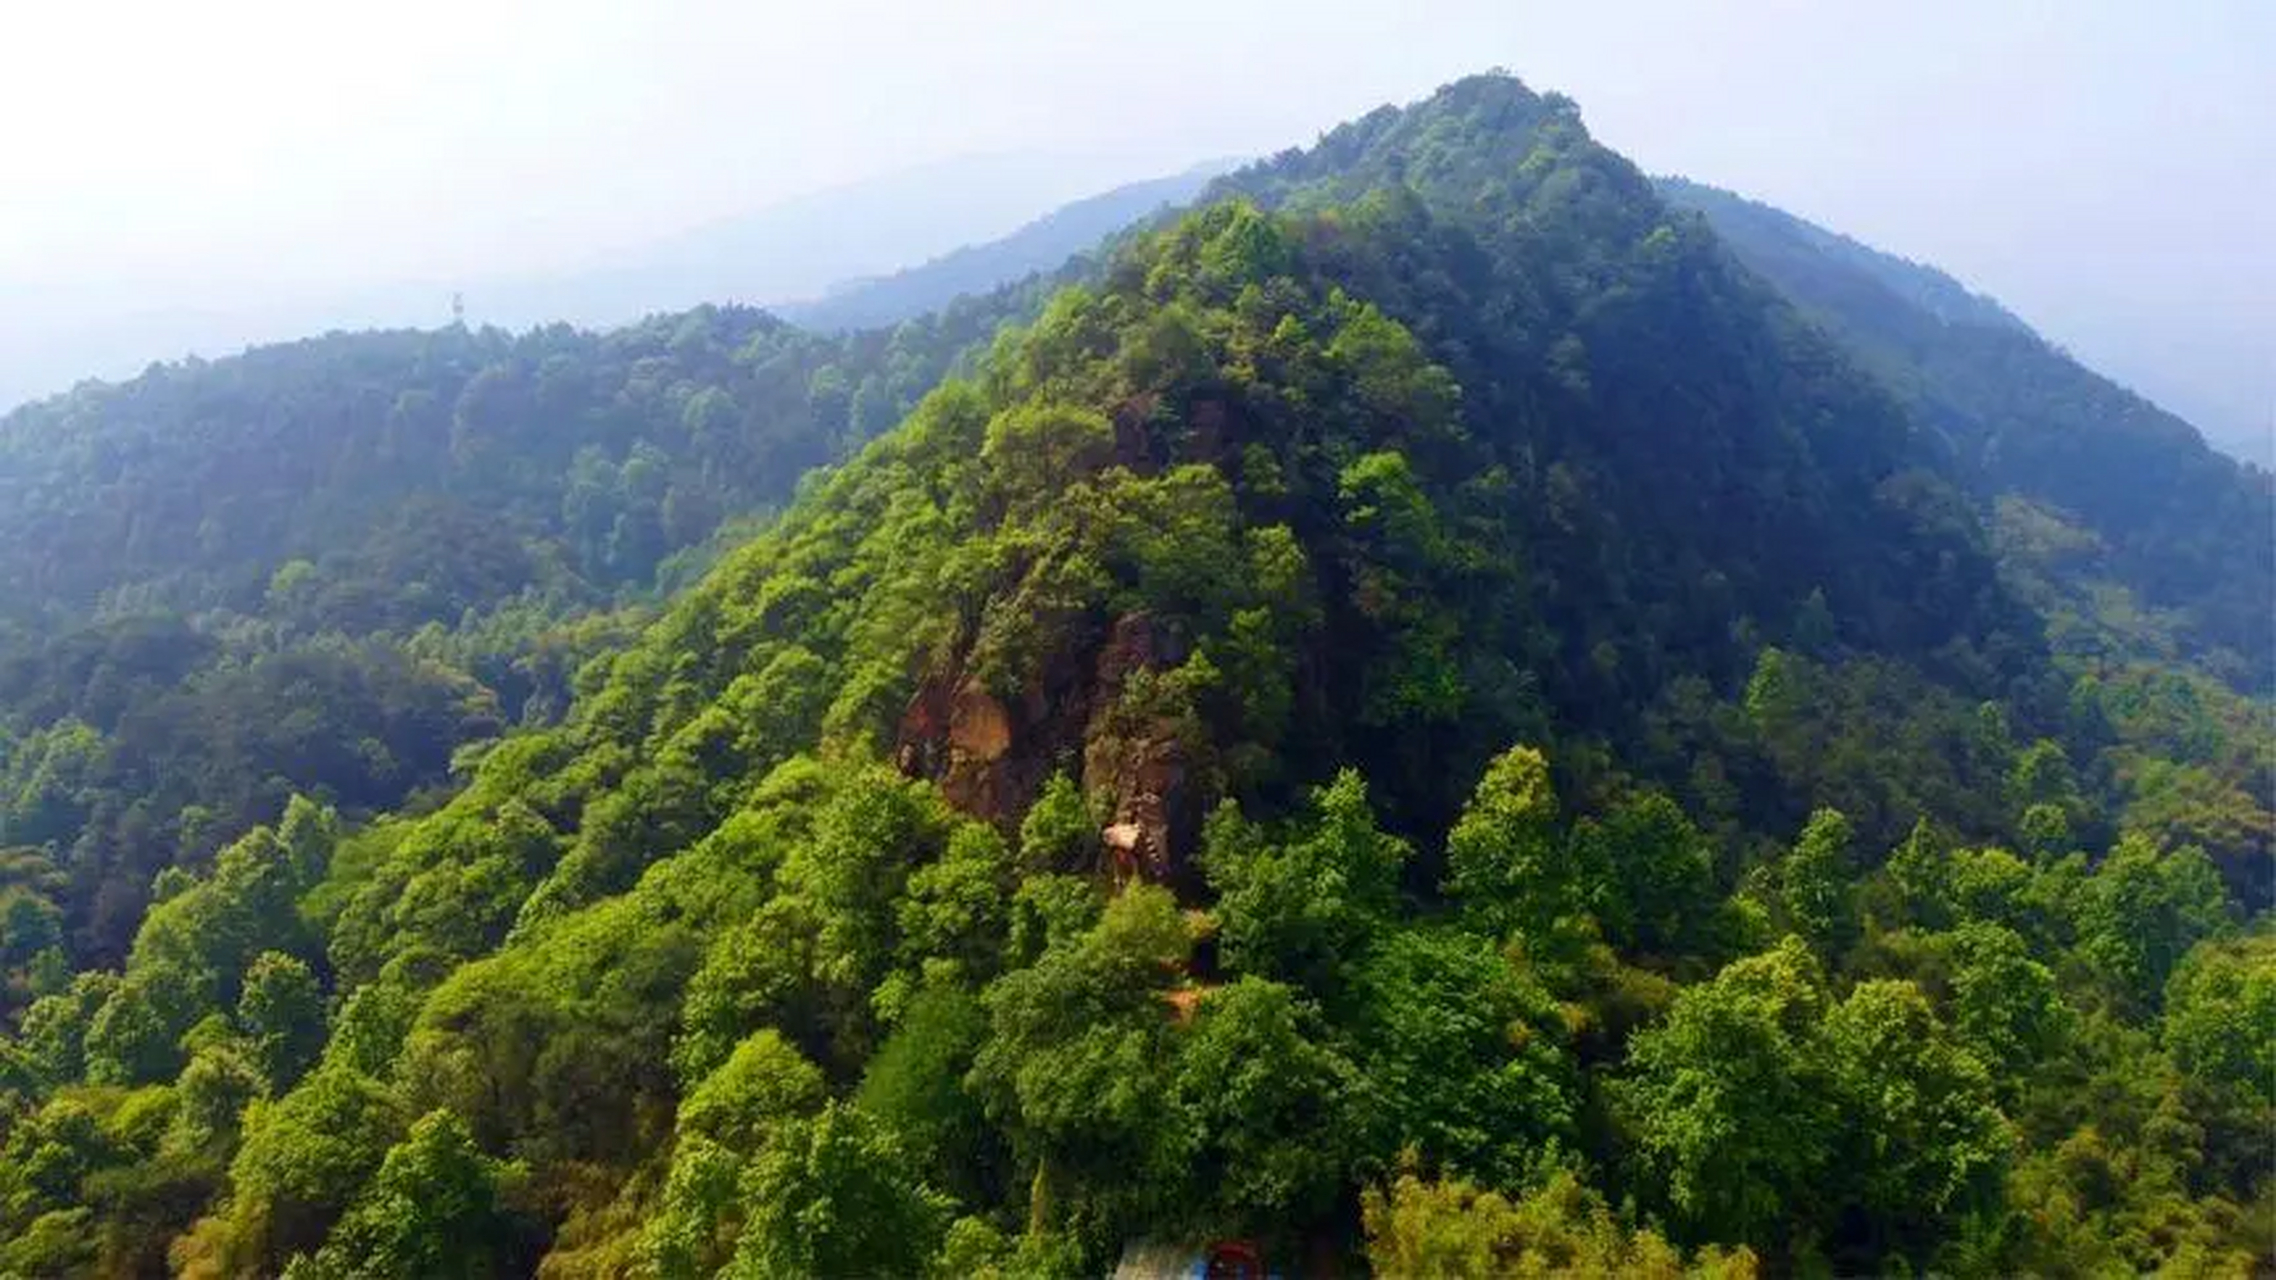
(1042, 245)
(2177, 522)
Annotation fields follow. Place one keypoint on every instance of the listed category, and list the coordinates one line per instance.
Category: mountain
(798, 248)
(2132, 500)
(794, 248)
(1417, 716)
(1042, 245)
(324, 567)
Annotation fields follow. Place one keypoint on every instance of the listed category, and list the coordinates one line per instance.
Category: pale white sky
(2106, 168)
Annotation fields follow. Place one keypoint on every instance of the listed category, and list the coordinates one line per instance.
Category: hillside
(1043, 245)
(324, 567)
(2134, 502)
(1422, 718)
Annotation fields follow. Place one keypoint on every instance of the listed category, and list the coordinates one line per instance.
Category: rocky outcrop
(990, 754)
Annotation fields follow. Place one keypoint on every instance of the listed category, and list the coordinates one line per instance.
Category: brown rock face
(1143, 766)
(990, 755)
(979, 728)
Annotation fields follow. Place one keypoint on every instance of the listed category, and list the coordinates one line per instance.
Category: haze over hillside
(1044, 244)
(2102, 168)
(784, 252)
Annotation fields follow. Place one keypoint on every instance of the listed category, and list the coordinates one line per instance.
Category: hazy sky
(2108, 169)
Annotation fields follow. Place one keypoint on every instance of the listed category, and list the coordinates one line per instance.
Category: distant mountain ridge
(795, 247)
(1917, 283)
(2180, 527)
(1042, 245)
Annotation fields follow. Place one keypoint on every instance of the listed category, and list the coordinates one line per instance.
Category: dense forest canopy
(324, 567)
(1421, 715)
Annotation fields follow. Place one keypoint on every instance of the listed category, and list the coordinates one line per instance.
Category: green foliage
(1300, 905)
(1920, 1141)
(2005, 1006)
(2219, 1006)
(1729, 1114)
(762, 1083)
(1813, 883)
(282, 1012)
(832, 1197)
(1776, 1114)
(2143, 910)
(1461, 1050)
(1659, 874)
(1088, 815)
(1074, 1064)
(433, 1209)
(1503, 863)
(1454, 1228)
(1057, 834)
(303, 1161)
(1271, 1117)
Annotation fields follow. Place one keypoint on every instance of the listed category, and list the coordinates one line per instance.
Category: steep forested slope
(1391, 727)
(324, 567)
(2102, 493)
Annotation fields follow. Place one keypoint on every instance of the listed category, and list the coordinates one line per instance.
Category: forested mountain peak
(1419, 711)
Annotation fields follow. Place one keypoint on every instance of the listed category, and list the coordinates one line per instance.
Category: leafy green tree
(53, 1034)
(1269, 1112)
(2219, 1005)
(134, 1037)
(368, 1033)
(214, 1092)
(1729, 1105)
(282, 1012)
(302, 1161)
(1462, 1056)
(1057, 833)
(957, 908)
(1300, 904)
(701, 1215)
(49, 1153)
(915, 1084)
(433, 1209)
(1454, 1228)
(1921, 1142)
(834, 1196)
(2142, 911)
(1659, 875)
(2005, 1007)
(29, 924)
(1078, 1046)
(1504, 863)
(1400, 556)
(1034, 453)
(1814, 883)
(763, 1083)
